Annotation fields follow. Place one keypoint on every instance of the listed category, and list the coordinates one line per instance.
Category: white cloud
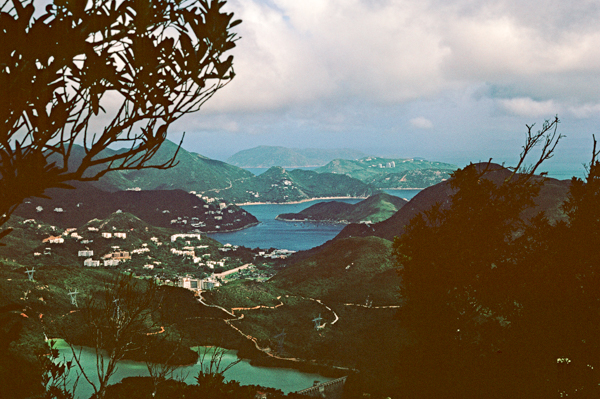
(525, 106)
(584, 111)
(296, 52)
(529, 107)
(421, 123)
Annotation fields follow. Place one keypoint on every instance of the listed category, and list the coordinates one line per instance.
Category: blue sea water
(294, 236)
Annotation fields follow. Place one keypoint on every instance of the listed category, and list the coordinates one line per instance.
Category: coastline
(232, 230)
(321, 198)
(313, 221)
(405, 188)
(296, 202)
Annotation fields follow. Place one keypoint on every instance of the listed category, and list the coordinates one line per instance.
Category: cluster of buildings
(276, 254)
(391, 164)
(196, 284)
(184, 245)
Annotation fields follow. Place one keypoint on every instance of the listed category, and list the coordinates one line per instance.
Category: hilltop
(193, 172)
(391, 173)
(278, 185)
(374, 209)
(268, 156)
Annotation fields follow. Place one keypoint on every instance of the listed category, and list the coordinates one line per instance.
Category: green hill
(374, 209)
(391, 173)
(268, 156)
(279, 185)
(193, 172)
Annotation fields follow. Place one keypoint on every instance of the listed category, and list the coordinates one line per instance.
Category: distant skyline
(444, 80)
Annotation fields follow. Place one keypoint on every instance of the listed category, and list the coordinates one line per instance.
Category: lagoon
(287, 380)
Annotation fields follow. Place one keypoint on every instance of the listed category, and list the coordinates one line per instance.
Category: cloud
(390, 51)
(584, 111)
(525, 106)
(528, 107)
(421, 123)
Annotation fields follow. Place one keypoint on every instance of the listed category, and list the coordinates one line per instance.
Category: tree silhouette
(100, 74)
(501, 305)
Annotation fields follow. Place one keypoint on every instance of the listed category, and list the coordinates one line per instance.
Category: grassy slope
(375, 209)
(373, 334)
(193, 172)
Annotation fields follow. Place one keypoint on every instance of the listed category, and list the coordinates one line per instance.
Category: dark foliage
(500, 307)
(142, 64)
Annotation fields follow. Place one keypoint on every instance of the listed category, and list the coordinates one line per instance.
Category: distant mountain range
(376, 208)
(216, 179)
(391, 173)
(268, 156)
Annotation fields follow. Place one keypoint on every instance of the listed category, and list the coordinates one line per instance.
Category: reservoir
(295, 236)
(287, 380)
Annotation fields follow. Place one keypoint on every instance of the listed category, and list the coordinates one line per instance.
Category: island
(374, 209)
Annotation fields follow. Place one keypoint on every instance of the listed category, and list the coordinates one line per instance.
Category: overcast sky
(451, 80)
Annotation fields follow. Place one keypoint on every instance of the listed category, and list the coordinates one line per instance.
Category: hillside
(120, 231)
(268, 156)
(353, 286)
(391, 173)
(278, 185)
(193, 172)
(374, 209)
(552, 194)
(348, 271)
(162, 208)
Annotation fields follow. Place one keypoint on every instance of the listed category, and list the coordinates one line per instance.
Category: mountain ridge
(392, 173)
(269, 156)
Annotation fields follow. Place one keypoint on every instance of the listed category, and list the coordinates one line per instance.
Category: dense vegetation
(501, 305)
(552, 194)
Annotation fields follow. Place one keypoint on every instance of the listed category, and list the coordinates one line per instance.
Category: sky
(451, 80)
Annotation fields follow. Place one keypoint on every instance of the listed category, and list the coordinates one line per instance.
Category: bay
(294, 236)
